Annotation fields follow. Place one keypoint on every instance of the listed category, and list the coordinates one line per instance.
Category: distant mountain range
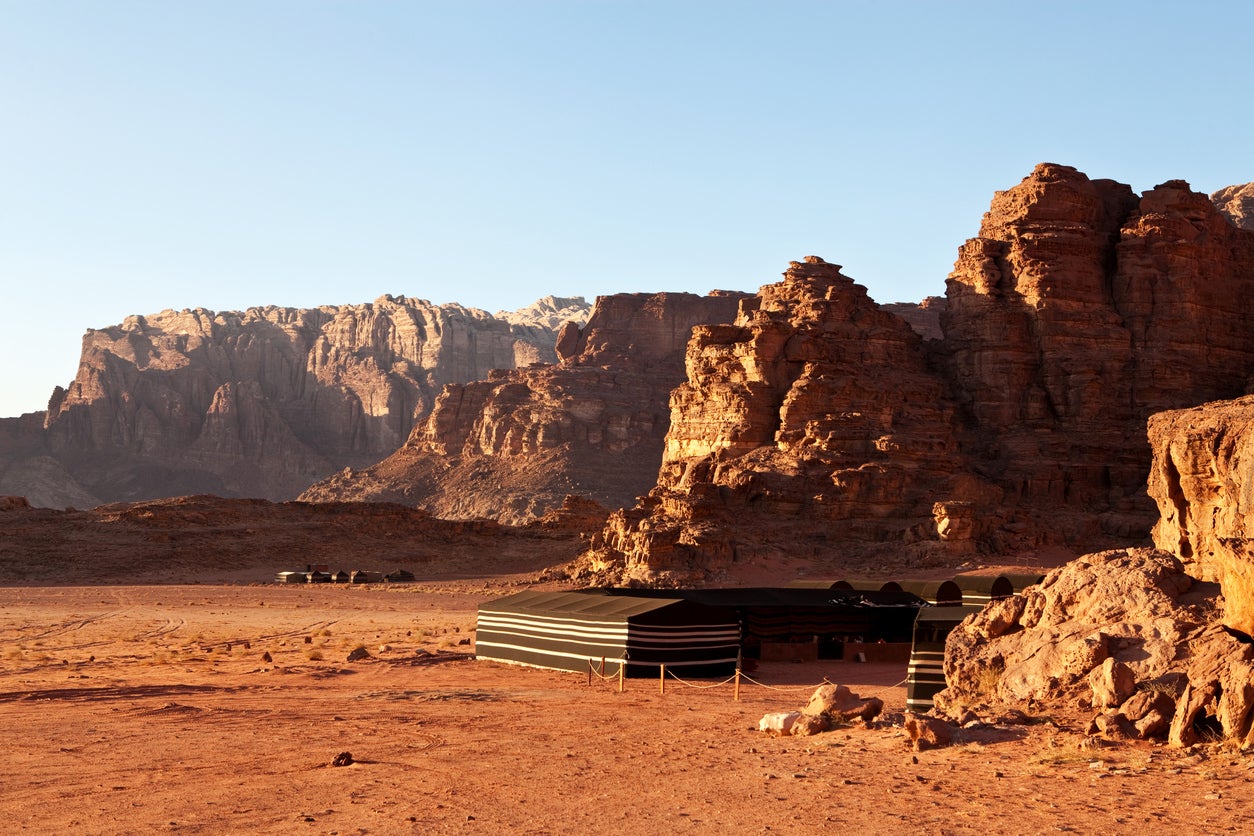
(258, 403)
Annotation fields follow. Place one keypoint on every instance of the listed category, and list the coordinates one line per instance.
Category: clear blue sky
(302, 152)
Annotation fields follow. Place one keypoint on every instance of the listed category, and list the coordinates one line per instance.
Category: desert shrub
(990, 678)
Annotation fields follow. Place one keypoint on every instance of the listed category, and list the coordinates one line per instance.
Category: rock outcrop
(1126, 635)
(264, 402)
(1237, 202)
(821, 425)
(1203, 481)
(514, 446)
(1080, 311)
(811, 420)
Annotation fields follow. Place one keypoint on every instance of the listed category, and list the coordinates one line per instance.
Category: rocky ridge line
(814, 426)
(514, 446)
(257, 403)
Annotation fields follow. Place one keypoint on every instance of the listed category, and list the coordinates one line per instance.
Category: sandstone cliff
(811, 421)
(1078, 312)
(819, 424)
(264, 402)
(1203, 481)
(512, 447)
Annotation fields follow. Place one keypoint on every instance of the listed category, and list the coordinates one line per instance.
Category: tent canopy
(570, 630)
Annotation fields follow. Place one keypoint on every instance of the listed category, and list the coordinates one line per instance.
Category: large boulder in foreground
(1129, 623)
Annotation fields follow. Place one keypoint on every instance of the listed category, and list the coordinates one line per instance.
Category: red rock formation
(1237, 202)
(923, 317)
(1124, 635)
(819, 425)
(1077, 313)
(809, 422)
(514, 446)
(266, 401)
(1203, 481)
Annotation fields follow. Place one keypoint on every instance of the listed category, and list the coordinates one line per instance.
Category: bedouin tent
(937, 593)
(571, 630)
(980, 589)
(1022, 580)
(867, 585)
(925, 675)
(829, 617)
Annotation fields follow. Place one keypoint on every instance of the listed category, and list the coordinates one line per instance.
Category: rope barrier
(735, 679)
(785, 690)
(729, 679)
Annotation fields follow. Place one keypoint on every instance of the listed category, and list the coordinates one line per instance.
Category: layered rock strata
(264, 402)
(810, 421)
(514, 446)
(1203, 481)
(1079, 310)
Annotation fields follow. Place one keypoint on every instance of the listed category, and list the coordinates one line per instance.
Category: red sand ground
(147, 709)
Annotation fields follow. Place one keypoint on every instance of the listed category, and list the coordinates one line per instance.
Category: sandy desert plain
(134, 704)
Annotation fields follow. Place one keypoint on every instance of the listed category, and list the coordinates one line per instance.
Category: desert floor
(147, 709)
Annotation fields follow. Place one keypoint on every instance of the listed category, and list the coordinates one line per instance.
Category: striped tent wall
(925, 674)
(570, 630)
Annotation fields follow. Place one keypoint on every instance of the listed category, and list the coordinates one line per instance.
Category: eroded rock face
(815, 411)
(263, 402)
(512, 447)
(1203, 481)
(1237, 202)
(1126, 633)
(1080, 311)
(822, 426)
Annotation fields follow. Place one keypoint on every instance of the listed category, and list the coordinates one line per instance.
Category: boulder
(1112, 682)
(841, 705)
(808, 724)
(1201, 483)
(927, 732)
(779, 723)
(1096, 627)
